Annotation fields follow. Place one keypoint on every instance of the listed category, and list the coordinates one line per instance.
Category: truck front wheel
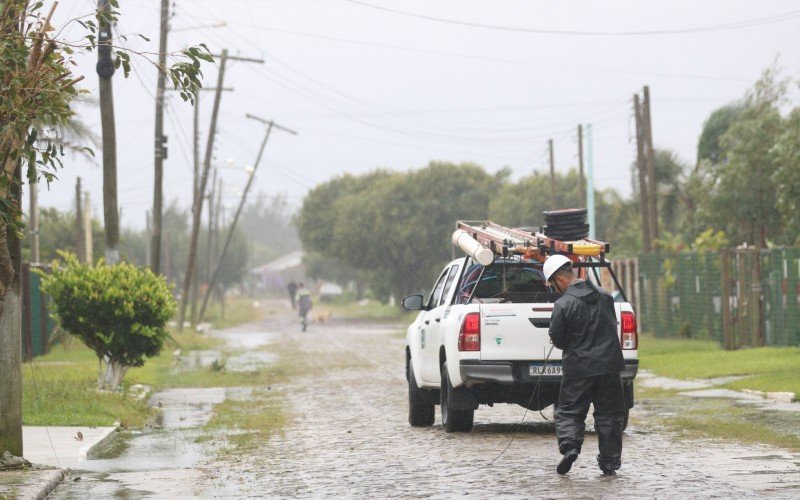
(421, 411)
(453, 420)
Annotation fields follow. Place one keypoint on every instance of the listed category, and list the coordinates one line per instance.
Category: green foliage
(715, 126)
(786, 151)
(741, 195)
(38, 87)
(395, 227)
(119, 311)
(711, 240)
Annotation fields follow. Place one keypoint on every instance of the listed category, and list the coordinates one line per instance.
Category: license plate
(548, 369)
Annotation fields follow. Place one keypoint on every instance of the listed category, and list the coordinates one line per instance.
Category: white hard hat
(553, 264)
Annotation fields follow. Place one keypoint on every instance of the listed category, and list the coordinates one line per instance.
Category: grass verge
(765, 368)
(247, 423)
(237, 311)
(371, 310)
(720, 419)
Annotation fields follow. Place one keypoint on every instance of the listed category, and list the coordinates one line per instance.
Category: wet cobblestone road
(348, 437)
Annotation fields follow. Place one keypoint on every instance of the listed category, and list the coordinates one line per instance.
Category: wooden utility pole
(553, 204)
(105, 69)
(33, 222)
(641, 166)
(725, 301)
(80, 238)
(651, 166)
(212, 283)
(191, 263)
(581, 179)
(160, 139)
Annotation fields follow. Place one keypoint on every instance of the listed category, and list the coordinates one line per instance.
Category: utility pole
(590, 181)
(553, 204)
(191, 264)
(581, 180)
(80, 239)
(34, 222)
(160, 139)
(105, 69)
(196, 281)
(88, 241)
(270, 125)
(641, 166)
(651, 166)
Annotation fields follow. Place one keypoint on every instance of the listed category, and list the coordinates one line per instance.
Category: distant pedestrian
(292, 287)
(304, 304)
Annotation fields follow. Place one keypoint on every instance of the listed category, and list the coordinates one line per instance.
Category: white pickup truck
(481, 338)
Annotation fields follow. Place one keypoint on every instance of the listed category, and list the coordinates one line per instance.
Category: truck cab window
(505, 281)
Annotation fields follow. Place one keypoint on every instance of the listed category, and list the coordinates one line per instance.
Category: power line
(786, 16)
(502, 60)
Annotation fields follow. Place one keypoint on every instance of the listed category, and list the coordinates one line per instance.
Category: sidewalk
(52, 450)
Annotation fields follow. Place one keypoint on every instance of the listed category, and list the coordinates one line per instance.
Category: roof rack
(505, 241)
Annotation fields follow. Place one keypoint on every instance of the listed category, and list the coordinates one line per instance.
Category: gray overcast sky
(369, 88)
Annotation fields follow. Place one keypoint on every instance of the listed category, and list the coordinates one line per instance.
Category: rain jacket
(584, 326)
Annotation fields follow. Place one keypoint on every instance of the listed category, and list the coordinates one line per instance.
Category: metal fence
(37, 324)
(739, 297)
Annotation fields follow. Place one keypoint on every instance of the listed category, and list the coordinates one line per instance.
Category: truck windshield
(505, 281)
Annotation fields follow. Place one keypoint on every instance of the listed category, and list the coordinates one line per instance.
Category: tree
(37, 85)
(118, 311)
(718, 122)
(394, 227)
(786, 152)
(741, 190)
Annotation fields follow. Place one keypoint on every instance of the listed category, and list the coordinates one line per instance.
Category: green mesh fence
(681, 296)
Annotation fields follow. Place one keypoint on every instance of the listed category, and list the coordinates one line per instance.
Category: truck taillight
(469, 339)
(629, 338)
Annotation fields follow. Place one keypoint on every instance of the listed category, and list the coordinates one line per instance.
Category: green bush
(118, 311)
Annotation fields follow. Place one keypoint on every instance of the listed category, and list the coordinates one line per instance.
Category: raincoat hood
(583, 290)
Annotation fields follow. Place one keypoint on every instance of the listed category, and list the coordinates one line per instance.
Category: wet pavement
(348, 436)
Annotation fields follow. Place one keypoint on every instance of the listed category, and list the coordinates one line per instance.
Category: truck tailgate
(516, 332)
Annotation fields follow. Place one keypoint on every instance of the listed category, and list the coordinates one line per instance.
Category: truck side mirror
(414, 302)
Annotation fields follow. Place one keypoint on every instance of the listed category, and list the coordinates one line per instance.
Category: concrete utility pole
(80, 238)
(191, 264)
(553, 204)
(641, 166)
(160, 139)
(105, 69)
(581, 180)
(651, 166)
(88, 241)
(270, 124)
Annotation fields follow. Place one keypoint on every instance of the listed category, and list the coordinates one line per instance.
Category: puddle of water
(249, 361)
(246, 340)
(723, 393)
(187, 407)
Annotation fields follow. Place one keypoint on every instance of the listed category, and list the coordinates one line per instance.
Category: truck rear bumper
(510, 372)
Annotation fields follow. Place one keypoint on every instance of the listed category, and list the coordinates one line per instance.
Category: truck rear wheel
(453, 420)
(421, 412)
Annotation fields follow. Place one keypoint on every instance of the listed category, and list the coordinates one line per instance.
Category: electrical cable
(786, 16)
(519, 425)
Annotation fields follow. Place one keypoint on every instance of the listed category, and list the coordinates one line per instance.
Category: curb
(51, 482)
(89, 451)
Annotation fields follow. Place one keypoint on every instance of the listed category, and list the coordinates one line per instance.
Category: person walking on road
(292, 287)
(584, 326)
(304, 304)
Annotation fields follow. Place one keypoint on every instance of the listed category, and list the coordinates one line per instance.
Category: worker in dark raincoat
(584, 326)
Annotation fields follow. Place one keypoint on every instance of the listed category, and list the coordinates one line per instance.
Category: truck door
(431, 323)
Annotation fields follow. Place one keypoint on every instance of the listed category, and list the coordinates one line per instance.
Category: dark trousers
(606, 393)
